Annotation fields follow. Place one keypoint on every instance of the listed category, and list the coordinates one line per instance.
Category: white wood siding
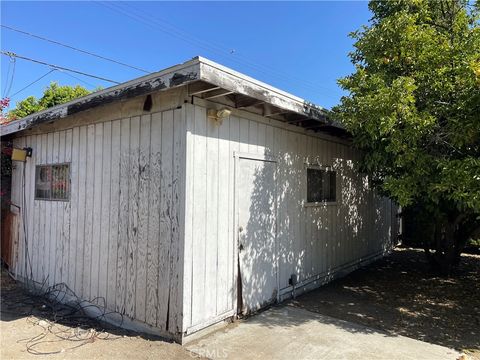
(118, 237)
(313, 242)
(150, 224)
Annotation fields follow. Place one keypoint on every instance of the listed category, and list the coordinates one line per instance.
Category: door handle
(240, 247)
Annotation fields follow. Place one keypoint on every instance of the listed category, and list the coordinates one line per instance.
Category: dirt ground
(29, 328)
(399, 295)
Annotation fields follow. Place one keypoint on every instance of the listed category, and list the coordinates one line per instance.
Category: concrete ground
(286, 332)
(401, 295)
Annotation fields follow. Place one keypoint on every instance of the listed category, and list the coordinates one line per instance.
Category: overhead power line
(11, 54)
(75, 49)
(145, 18)
(77, 78)
(9, 78)
(33, 82)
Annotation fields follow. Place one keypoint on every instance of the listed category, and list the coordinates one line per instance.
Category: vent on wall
(147, 105)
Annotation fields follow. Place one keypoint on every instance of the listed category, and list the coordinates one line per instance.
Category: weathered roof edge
(233, 80)
(170, 77)
(195, 69)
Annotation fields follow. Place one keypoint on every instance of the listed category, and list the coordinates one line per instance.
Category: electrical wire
(9, 53)
(27, 260)
(77, 78)
(134, 13)
(33, 82)
(13, 76)
(7, 77)
(168, 28)
(75, 48)
(49, 72)
(155, 23)
(9, 87)
(61, 316)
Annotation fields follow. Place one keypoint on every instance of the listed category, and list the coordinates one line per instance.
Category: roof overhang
(205, 79)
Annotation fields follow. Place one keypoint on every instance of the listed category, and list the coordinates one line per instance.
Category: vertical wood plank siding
(123, 218)
(312, 241)
(150, 224)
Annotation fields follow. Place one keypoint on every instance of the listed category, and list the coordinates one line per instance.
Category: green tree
(414, 111)
(24, 108)
(53, 95)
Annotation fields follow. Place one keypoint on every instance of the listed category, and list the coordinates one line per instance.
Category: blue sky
(299, 47)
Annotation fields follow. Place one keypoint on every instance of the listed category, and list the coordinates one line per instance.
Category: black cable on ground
(61, 315)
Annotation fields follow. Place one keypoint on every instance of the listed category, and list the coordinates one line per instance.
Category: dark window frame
(326, 193)
(46, 185)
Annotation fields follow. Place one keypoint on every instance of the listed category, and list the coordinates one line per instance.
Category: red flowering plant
(5, 118)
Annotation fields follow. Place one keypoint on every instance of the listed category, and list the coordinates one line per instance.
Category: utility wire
(9, 79)
(75, 49)
(9, 53)
(158, 24)
(33, 82)
(13, 76)
(77, 78)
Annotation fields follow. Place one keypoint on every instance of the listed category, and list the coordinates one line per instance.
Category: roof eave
(197, 69)
(175, 76)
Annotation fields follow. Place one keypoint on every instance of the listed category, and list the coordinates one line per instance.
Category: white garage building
(189, 196)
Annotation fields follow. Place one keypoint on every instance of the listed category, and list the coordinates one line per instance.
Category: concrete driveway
(286, 332)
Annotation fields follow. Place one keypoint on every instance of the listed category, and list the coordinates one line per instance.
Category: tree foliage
(53, 95)
(414, 110)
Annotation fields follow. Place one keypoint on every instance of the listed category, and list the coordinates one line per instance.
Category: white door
(256, 206)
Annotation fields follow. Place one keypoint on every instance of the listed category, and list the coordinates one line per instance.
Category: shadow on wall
(256, 211)
(282, 237)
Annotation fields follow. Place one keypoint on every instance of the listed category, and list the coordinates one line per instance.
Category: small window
(321, 185)
(52, 182)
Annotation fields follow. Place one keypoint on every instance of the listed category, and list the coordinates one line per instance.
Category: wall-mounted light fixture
(218, 115)
(21, 154)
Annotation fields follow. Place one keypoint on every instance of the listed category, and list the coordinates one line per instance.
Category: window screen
(321, 185)
(52, 182)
